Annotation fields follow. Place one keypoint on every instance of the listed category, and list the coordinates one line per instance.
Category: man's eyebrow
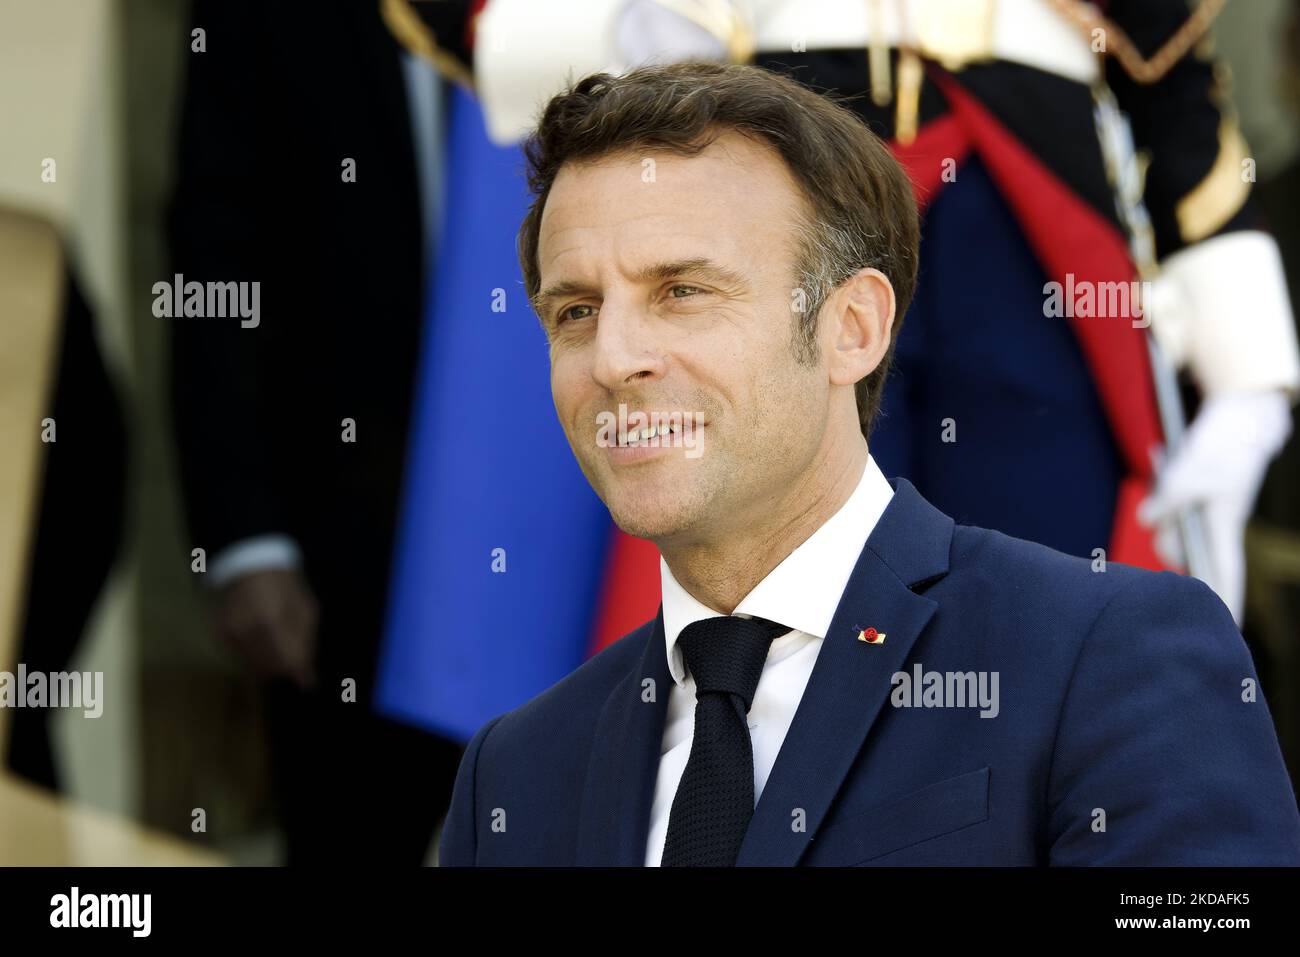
(700, 267)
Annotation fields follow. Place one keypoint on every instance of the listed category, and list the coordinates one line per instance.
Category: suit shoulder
(1041, 609)
(1033, 570)
(1001, 573)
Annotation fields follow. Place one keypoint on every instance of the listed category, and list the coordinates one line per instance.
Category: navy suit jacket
(1126, 733)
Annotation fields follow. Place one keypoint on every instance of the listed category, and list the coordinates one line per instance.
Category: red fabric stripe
(631, 593)
(471, 21)
(939, 145)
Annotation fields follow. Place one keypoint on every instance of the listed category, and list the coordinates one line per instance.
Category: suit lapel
(851, 679)
(614, 823)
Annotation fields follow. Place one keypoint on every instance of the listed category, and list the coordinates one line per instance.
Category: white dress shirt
(802, 592)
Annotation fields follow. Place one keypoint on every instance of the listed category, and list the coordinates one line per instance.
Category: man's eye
(568, 313)
(690, 289)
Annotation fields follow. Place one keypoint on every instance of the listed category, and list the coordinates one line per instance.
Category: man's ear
(860, 322)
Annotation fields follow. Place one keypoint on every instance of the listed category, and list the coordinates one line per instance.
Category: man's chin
(640, 524)
(655, 516)
(651, 503)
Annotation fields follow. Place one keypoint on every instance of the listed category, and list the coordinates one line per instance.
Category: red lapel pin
(871, 636)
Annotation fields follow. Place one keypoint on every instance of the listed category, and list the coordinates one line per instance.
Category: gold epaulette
(1115, 42)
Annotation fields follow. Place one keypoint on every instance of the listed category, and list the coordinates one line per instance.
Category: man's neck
(720, 572)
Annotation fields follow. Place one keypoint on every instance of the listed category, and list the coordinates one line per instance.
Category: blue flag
(502, 542)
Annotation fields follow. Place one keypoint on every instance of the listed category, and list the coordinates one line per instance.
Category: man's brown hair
(863, 211)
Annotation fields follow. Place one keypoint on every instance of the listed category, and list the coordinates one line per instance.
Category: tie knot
(726, 654)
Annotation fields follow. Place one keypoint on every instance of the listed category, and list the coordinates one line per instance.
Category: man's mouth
(650, 433)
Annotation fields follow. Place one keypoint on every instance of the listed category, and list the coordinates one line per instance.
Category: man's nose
(625, 346)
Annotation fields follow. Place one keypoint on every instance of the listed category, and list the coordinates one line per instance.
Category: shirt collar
(804, 590)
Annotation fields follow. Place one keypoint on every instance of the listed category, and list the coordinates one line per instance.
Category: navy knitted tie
(715, 798)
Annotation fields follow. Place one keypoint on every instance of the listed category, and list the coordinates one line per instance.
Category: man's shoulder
(993, 568)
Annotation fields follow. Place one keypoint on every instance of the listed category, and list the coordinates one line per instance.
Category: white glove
(647, 30)
(1219, 467)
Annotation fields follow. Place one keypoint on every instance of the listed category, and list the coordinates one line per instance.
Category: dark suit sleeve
(458, 846)
(1194, 185)
(216, 228)
(1154, 732)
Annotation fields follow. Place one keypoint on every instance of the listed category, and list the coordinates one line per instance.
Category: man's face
(667, 285)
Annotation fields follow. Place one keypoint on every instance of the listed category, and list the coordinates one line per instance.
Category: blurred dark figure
(78, 528)
(297, 523)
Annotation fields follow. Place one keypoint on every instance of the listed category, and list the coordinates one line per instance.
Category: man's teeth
(637, 436)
